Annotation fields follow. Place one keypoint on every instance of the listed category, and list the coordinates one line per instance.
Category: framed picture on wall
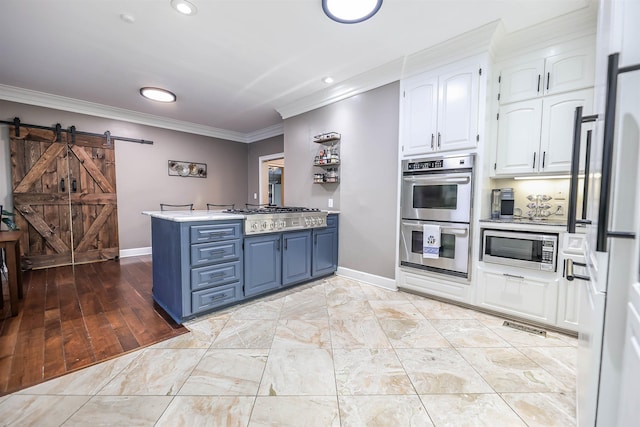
(187, 169)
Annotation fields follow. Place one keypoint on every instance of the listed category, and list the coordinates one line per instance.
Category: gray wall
(141, 170)
(255, 150)
(367, 193)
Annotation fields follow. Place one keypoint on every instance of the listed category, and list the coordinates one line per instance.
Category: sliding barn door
(64, 197)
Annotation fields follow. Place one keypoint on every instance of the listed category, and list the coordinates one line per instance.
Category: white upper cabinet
(518, 137)
(547, 76)
(440, 111)
(558, 116)
(522, 81)
(458, 109)
(420, 116)
(536, 136)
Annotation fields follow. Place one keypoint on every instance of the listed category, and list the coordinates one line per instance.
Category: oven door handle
(465, 180)
(462, 232)
(455, 231)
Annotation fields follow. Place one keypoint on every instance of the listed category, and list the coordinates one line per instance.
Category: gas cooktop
(270, 219)
(261, 209)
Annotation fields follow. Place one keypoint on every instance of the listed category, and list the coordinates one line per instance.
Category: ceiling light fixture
(327, 80)
(350, 11)
(157, 94)
(184, 7)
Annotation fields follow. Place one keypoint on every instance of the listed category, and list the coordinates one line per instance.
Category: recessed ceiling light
(184, 7)
(327, 80)
(157, 94)
(350, 11)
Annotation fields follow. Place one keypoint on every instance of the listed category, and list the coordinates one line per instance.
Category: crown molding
(472, 42)
(571, 26)
(265, 133)
(358, 84)
(42, 99)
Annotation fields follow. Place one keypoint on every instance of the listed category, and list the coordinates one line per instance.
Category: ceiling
(235, 63)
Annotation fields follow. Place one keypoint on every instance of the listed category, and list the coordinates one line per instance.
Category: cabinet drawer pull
(213, 232)
(513, 275)
(217, 297)
(216, 275)
(548, 78)
(216, 251)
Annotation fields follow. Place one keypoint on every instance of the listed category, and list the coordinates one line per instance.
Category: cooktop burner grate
(271, 210)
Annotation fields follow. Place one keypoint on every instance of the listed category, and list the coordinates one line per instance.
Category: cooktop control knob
(272, 225)
(264, 225)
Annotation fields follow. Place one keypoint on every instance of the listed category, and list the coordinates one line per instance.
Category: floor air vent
(524, 328)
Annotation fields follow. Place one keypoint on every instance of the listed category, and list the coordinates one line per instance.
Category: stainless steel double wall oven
(438, 191)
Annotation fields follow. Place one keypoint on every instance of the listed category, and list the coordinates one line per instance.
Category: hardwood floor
(68, 323)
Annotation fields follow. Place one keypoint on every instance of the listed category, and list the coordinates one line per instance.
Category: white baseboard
(372, 279)
(125, 253)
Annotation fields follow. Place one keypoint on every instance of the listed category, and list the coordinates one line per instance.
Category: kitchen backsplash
(557, 189)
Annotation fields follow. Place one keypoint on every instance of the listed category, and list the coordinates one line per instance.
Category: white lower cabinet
(528, 296)
(568, 299)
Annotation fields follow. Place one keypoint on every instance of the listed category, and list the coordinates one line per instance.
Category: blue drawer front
(332, 221)
(215, 275)
(207, 253)
(215, 297)
(215, 232)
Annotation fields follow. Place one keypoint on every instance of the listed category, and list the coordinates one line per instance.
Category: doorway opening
(272, 179)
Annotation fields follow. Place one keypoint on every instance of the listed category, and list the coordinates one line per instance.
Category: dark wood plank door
(64, 197)
(94, 208)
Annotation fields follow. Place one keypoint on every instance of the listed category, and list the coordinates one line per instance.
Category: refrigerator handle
(575, 168)
(585, 188)
(569, 263)
(607, 152)
(613, 70)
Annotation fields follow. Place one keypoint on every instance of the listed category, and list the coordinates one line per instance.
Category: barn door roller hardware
(72, 130)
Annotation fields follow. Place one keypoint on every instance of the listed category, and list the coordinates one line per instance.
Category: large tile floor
(335, 352)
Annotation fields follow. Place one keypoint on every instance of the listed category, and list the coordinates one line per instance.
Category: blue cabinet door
(263, 263)
(296, 257)
(325, 251)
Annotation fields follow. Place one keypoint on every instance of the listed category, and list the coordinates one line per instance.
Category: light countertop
(548, 225)
(212, 215)
(187, 216)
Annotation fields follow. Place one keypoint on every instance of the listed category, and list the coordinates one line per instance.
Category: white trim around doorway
(261, 160)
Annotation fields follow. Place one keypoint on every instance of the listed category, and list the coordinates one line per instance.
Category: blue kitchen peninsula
(202, 260)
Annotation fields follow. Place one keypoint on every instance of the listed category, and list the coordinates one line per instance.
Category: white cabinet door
(569, 71)
(518, 138)
(419, 121)
(522, 81)
(548, 76)
(527, 297)
(558, 114)
(569, 295)
(458, 109)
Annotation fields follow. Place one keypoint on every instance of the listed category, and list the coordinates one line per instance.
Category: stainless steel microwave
(537, 251)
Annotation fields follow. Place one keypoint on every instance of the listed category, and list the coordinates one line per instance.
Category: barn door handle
(74, 186)
(62, 185)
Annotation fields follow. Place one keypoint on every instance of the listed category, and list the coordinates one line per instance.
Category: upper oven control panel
(437, 164)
